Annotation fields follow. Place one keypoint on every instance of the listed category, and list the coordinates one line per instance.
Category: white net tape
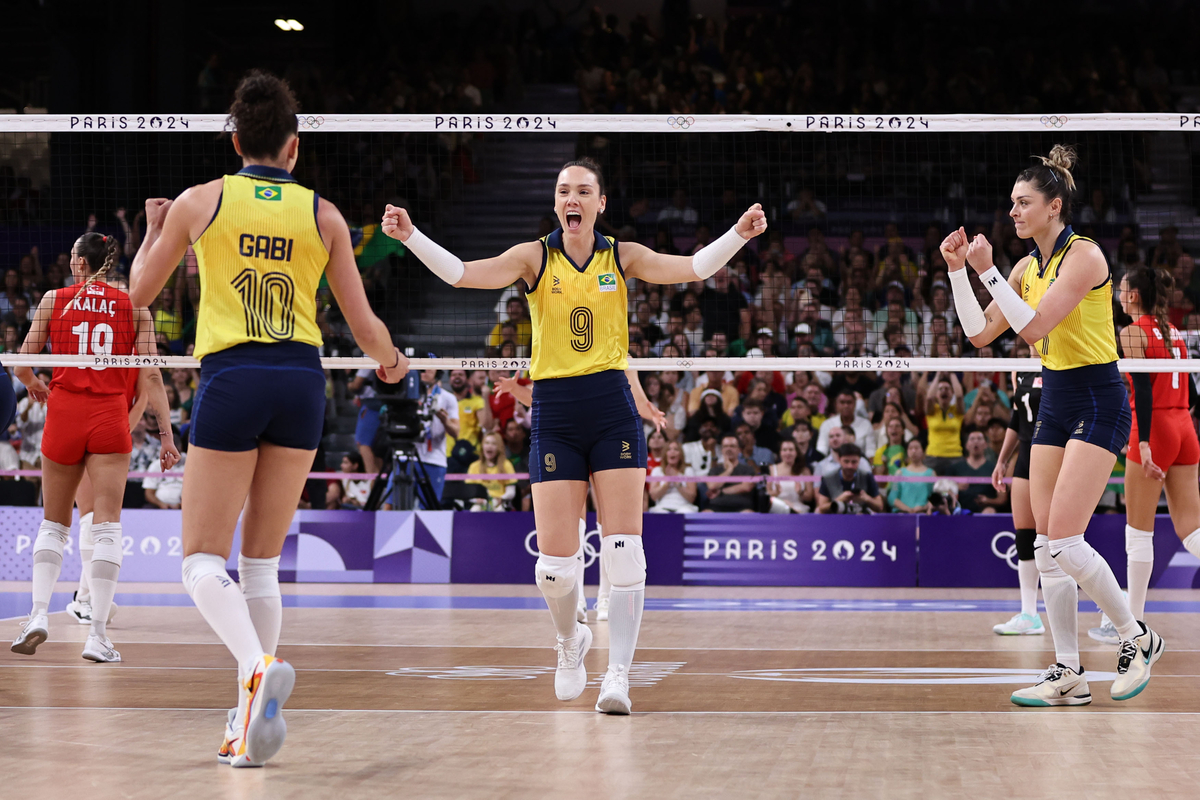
(616, 123)
(745, 364)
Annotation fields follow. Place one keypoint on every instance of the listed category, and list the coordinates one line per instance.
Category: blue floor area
(14, 604)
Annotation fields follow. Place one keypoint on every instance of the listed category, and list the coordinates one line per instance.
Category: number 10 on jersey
(267, 302)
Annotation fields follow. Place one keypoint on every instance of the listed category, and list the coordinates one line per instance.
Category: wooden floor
(403, 702)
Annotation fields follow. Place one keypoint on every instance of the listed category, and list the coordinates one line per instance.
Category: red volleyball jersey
(1170, 388)
(97, 321)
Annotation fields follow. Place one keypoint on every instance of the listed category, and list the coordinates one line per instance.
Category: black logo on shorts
(1079, 429)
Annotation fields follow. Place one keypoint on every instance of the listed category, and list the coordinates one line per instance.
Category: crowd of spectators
(855, 57)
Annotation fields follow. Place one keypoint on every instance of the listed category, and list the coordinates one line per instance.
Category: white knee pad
(85, 532)
(106, 538)
(555, 575)
(259, 577)
(51, 537)
(1139, 544)
(1041, 556)
(199, 566)
(624, 561)
(1076, 557)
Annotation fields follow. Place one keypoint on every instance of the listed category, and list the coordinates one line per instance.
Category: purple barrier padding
(502, 548)
(799, 550)
(978, 550)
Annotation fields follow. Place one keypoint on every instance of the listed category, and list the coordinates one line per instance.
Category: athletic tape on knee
(1046, 564)
(555, 575)
(259, 577)
(625, 562)
(106, 537)
(1139, 544)
(86, 542)
(51, 537)
(199, 566)
(1024, 543)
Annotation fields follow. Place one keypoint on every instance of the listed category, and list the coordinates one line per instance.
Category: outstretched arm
(150, 380)
(520, 261)
(641, 262)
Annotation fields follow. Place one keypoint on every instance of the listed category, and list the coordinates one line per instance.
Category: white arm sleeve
(1015, 309)
(970, 315)
(709, 259)
(439, 260)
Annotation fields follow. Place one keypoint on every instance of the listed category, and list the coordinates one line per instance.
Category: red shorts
(1172, 439)
(78, 423)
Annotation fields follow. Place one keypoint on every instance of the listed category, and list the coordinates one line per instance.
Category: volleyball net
(847, 280)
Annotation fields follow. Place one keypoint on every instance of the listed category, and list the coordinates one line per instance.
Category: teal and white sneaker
(1107, 632)
(1134, 660)
(1021, 625)
(1059, 685)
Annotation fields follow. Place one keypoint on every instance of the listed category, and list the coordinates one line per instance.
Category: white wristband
(1015, 309)
(439, 260)
(715, 255)
(970, 315)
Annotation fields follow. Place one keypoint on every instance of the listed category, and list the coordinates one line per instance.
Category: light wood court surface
(403, 702)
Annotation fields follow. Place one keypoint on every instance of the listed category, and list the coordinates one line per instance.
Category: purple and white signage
(979, 551)
(804, 550)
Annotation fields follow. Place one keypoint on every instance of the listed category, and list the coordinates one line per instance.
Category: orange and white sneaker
(257, 731)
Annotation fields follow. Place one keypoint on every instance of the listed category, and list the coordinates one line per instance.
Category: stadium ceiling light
(296, 26)
(283, 25)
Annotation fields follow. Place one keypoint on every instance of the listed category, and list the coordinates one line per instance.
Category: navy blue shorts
(584, 424)
(254, 393)
(1087, 403)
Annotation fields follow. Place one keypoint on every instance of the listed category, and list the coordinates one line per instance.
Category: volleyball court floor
(447, 691)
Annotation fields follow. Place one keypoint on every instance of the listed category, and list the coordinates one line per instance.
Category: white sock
(259, 579)
(562, 606)
(222, 605)
(104, 586)
(1027, 573)
(624, 622)
(104, 569)
(83, 594)
(1139, 550)
(47, 563)
(1061, 594)
(1089, 569)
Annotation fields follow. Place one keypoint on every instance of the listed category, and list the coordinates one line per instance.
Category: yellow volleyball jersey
(260, 261)
(1086, 336)
(580, 314)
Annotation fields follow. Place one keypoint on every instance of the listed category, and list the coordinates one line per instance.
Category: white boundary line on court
(1050, 649)
(679, 673)
(1016, 711)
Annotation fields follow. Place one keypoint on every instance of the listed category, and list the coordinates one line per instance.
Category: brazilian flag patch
(268, 193)
(608, 282)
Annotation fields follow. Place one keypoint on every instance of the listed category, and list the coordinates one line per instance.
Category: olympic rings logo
(1054, 121)
(1010, 554)
(685, 363)
(590, 552)
(310, 121)
(681, 123)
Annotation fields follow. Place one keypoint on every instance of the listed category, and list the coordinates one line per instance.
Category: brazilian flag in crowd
(372, 245)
